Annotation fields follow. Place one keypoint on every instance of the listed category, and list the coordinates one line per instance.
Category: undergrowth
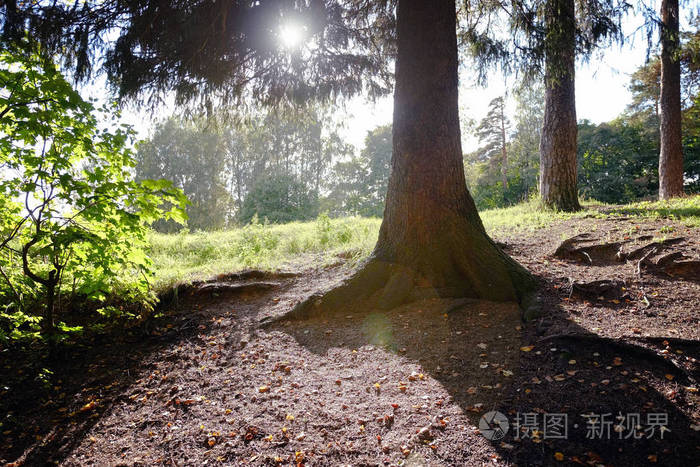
(185, 256)
(190, 256)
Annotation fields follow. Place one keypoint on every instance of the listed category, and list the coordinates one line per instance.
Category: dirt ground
(618, 336)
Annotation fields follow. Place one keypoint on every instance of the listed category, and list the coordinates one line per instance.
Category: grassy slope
(185, 257)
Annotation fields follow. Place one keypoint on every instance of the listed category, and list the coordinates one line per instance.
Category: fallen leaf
(527, 348)
(669, 376)
(559, 456)
(263, 389)
(89, 406)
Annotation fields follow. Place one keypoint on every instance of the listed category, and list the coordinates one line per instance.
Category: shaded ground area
(207, 386)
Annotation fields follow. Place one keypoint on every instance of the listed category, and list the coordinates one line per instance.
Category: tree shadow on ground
(460, 356)
(486, 359)
(44, 420)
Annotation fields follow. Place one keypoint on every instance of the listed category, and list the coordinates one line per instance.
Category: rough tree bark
(558, 142)
(431, 242)
(671, 154)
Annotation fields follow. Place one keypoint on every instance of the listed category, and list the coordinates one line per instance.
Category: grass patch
(528, 216)
(685, 210)
(184, 257)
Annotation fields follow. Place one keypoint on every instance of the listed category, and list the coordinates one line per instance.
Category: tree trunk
(47, 322)
(431, 241)
(317, 130)
(558, 142)
(504, 153)
(671, 154)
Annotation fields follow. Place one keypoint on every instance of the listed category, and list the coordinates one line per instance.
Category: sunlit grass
(528, 216)
(685, 210)
(183, 257)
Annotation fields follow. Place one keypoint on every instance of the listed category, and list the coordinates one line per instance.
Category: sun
(291, 35)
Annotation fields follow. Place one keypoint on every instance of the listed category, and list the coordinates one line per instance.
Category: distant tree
(525, 142)
(671, 147)
(644, 110)
(279, 198)
(645, 89)
(491, 132)
(546, 36)
(349, 193)
(377, 154)
(484, 174)
(301, 143)
(192, 157)
(360, 184)
(617, 160)
(483, 180)
(558, 179)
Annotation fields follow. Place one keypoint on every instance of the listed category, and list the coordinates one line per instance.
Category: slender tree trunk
(431, 241)
(318, 149)
(47, 322)
(671, 154)
(504, 153)
(558, 142)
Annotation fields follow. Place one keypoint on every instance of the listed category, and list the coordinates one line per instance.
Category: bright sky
(601, 92)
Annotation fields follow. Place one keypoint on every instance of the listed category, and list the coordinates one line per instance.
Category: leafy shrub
(71, 214)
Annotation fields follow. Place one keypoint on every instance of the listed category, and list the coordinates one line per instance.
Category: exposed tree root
(608, 289)
(383, 285)
(248, 281)
(689, 270)
(640, 252)
(583, 249)
(251, 274)
(592, 253)
(636, 350)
